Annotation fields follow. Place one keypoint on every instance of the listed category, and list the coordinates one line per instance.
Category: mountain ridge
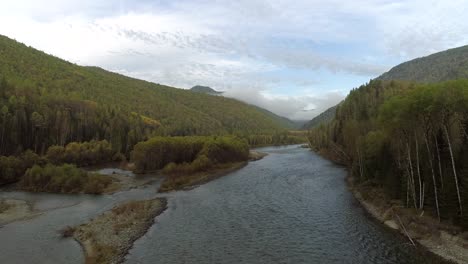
(62, 71)
(205, 89)
(42, 88)
(441, 66)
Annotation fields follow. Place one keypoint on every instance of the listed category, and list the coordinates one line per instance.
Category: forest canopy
(53, 113)
(158, 152)
(46, 101)
(63, 179)
(411, 139)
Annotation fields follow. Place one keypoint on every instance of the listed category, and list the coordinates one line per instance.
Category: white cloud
(247, 47)
(302, 107)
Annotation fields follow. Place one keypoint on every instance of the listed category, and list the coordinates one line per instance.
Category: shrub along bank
(63, 179)
(189, 160)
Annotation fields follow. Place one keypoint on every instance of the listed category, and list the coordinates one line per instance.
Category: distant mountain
(442, 66)
(285, 122)
(205, 89)
(300, 123)
(323, 118)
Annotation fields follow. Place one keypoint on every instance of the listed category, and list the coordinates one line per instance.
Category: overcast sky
(295, 58)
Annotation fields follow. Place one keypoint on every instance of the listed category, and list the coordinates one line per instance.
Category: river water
(290, 207)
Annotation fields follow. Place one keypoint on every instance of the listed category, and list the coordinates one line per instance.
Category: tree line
(277, 138)
(65, 178)
(84, 153)
(410, 139)
(191, 153)
(53, 111)
(74, 103)
(37, 119)
(13, 168)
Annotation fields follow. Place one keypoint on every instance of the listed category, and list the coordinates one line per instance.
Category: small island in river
(108, 237)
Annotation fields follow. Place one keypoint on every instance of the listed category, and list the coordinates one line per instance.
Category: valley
(233, 132)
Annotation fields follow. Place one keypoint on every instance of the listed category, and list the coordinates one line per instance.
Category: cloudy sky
(295, 58)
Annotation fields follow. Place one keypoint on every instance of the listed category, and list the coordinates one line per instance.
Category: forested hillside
(447, 65)
(443, 66)
(409, 139)
(47, 101)
(323, 118)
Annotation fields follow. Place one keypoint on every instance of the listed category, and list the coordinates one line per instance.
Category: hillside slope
(408, 139)
(442, 66)
(68, 98)
(404, 136)
(23, 65)
(323, 118)
(447, 65)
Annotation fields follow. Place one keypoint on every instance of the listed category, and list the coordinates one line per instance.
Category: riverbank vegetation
(189, 154)
(278, 138)
(186, 161)
(63, 179)
(12, 168)
(108, 237)
(409, 139)
(189, 160)
(84, 153)
(52, 173)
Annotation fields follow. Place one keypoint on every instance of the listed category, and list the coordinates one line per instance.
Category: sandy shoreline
(124, 183)
(16, 210)
(441, 240)
(256, 155)
(108, 237)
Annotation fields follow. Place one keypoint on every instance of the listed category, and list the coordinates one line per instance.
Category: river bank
(266, 212)
(123, 180)
(420, 228)
(120, 180)
(12, 210)
(256, 155)
(190, 181)
(108, 237)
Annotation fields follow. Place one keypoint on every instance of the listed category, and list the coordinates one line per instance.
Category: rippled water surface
(290, 207)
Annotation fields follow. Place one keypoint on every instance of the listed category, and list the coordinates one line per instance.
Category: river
(290, 207)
